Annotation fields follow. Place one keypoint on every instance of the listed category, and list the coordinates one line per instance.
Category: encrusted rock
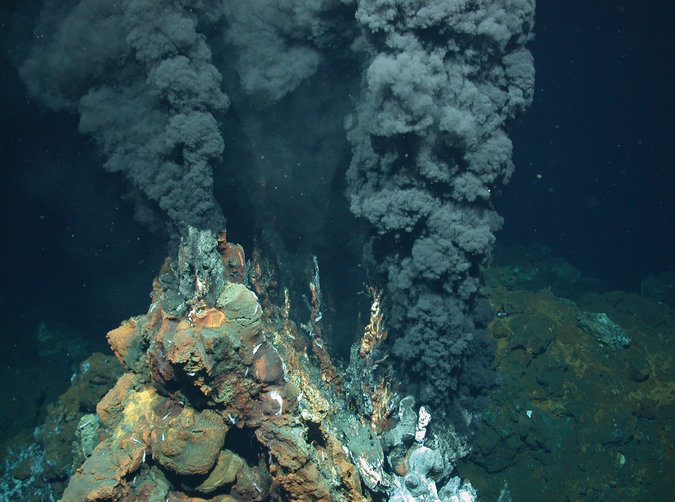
(364, 448)
(604, 329)
(267, 366)
(222, 402)
(423, 460)
(225, 471)
(406, 425)
(126, 343)
(188, 443)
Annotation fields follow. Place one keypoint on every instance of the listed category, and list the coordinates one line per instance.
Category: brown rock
(110, 408)
(243, 312)
(187, 351)
(120, 339)
(102, 475)
(348, 473)
(267, 366)
(211, 318)
(225, 471)
(189, 443)
(305, 484)
(233, 258)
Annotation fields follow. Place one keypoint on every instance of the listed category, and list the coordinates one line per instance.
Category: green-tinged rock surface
(600, 326)
(576, 419)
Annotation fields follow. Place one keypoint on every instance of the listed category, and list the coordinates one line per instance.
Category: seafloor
(584, 410)
(576, 418)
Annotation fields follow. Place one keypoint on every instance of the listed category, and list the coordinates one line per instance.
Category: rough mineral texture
(222, 402)
(570, 404)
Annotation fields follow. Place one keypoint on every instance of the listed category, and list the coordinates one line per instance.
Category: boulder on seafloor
(603, 328)
(189, 442)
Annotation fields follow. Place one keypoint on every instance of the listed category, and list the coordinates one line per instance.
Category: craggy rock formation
(37, 464)
(271, 99)
(221, 401)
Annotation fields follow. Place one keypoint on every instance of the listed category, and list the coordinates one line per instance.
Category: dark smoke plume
(429, 145)
(428, 88)
(139, 73)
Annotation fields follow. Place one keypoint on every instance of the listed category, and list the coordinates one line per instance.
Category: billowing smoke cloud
(274, 48)
(442, 81)
(428, 88)
(139, 73)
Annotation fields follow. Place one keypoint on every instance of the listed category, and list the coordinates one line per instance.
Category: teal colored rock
(87, 433)
(603, 328)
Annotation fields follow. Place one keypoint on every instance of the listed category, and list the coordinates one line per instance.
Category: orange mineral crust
(216, 404)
